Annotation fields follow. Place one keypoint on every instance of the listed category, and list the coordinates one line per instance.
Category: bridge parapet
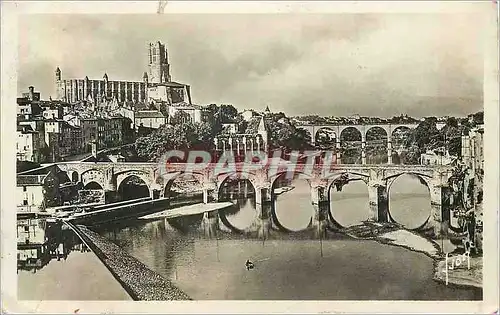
(211, 177)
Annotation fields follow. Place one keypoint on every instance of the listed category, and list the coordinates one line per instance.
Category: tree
(182, 135)
(423, 134)
(180, 117)
(228, 113)
(284, 135)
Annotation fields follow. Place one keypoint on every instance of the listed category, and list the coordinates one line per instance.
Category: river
(289, 267)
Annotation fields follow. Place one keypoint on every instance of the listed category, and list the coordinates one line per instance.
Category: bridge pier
(378, 201)
(210, 192)
(363, 151)
(320, 204)
(210, 224)
(263, 222)
(337, 149)
(389, 149)
(436, 217)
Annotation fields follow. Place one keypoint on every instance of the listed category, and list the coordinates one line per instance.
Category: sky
(330, 65)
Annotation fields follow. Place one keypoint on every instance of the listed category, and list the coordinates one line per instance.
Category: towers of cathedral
(159, 68)
(74, 90)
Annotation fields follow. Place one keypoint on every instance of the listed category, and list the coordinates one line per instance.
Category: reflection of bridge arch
(274, 197)
(248, 184)
(333, 180)
(424, 180)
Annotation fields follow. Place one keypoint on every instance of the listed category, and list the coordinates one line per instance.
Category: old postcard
(249, 157)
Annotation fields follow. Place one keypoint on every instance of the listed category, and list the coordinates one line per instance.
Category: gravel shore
(141, 282)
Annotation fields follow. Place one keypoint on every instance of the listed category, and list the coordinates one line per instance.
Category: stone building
(62, 138)
(106, 132)
(31, 94)
(254, 139)
(156, 81)
(28, 109)
(29, 144)
(152, 119)
(37, 191)
(473, 159)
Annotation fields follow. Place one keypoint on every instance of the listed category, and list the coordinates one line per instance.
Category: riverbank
(141, 282)
(394, 235)
(465, 275)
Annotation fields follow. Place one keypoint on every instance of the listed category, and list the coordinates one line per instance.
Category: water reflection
(214, 269)
(349, 205)
(242, 193)
(409, 201)
(53, 264)
(39, 240)
(292, 208)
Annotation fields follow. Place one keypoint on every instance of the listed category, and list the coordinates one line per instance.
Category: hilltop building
(156, 82)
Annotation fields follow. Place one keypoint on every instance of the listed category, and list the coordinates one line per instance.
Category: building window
(25, 202)
(25, 188)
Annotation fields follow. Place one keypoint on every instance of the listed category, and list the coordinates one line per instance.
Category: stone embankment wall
(138, 280)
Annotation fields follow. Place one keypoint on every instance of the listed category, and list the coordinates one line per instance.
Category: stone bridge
(363, 131)
(378, 179)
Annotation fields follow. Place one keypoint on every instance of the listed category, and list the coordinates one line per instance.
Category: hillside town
(95, 120)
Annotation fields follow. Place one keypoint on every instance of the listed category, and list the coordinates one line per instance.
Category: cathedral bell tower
(60, 86)
(159, 69)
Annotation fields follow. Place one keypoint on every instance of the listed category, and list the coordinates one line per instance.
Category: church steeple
(58, 74)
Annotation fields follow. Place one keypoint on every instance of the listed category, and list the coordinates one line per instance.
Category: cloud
(336, 64)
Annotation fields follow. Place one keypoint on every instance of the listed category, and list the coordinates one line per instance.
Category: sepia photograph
(298, 156)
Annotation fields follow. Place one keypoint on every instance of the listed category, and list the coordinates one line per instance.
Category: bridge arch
(93, 175)
(304, 203)
(142, 175)
(336, 184)
(93, 185)
(398, 137)
(326, 136)
(425, 178)
(243, 191)
(351, 139)
(393, 208)
(128, 179)
(167, 189)
(223, 178)
(376, 145)
(251, 177)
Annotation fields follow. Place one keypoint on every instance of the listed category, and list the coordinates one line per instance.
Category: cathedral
(156, 85)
